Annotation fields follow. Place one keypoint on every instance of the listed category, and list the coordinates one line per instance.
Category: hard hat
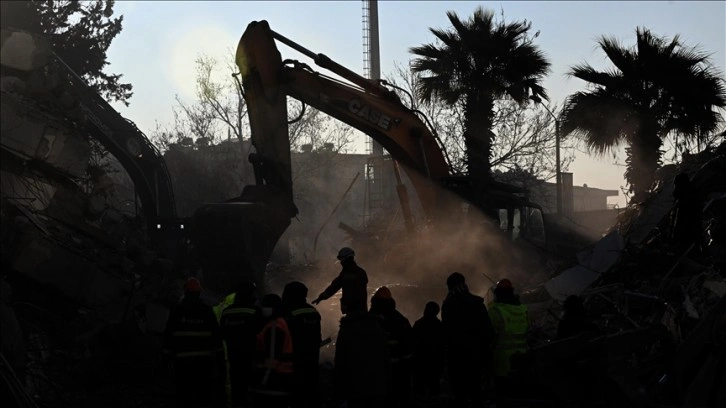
(192, 285)
(345, 253)
(382, 293)
(505, 284)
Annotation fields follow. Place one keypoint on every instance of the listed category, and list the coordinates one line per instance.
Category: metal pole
(558, 170)
(558, 173)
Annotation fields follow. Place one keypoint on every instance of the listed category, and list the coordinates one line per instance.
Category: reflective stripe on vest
(273, 362)
(303, 310)
(238, 310)
(514, 319)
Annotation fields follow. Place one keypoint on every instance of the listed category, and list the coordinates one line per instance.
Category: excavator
(261, 214)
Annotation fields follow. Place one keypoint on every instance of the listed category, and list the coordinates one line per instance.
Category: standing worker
(240, 322)
(428, 354)
(510, 321)
(273, 380)
(398, 329)
(304, 323)
(194, 342)
(354, 282)
(468, 334)
(362, 361)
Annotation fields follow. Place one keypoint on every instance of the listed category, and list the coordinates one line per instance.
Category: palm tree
(477, 62)
(657, 87)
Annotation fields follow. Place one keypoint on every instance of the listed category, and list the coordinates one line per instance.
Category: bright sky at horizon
(160, 41)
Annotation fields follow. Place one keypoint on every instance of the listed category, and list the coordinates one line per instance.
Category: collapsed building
(76, 255)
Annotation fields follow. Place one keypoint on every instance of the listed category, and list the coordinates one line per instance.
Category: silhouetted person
(193, 340)
(273, 380)
(399, 332)
(240, 322)
(468, 334)
(353, 280)
(362, 361)
(428, 353)
(304, 323)
(688, 216)
(575, 321)
(511, 323)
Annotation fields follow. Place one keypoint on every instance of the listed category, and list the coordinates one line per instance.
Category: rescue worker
(468, 334)
(304, 323)
(240, 322)
(273, 379)
(428, 354)
(193, 341)
(362, 361)
(575, 321)
(398, 329)
(354, 282)
(510, 321)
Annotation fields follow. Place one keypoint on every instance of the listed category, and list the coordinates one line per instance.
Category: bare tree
(524, 135)
(206, 168)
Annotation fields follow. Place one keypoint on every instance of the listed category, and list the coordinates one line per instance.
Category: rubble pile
(651, 297)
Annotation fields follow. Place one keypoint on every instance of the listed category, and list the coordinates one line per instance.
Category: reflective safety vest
(228, 300)
(238, 310)
(277, 361)
(510, 323)
(192, 331)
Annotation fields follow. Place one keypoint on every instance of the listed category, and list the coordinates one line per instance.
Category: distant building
(584, 205)
(584, 198)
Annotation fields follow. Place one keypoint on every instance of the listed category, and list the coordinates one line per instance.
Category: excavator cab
(505, 205)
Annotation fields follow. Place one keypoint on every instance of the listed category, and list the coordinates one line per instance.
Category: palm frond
(600, 120)
(620, 56)
(590, 74)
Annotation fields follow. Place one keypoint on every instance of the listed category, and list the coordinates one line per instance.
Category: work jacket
(304, 323)
(353, 280)
(192, 331)
(397, 328)
(468, 332)
(240, 323)
(510, 325)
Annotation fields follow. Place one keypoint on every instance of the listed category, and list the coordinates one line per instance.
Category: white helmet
(345, 253)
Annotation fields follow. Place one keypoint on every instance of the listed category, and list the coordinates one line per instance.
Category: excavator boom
(364, 105)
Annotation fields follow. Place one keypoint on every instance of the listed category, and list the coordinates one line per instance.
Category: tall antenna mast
(371, 55)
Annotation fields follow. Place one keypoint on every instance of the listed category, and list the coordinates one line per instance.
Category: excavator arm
(362, 104)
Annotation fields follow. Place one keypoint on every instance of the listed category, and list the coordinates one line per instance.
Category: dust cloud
(415, 266)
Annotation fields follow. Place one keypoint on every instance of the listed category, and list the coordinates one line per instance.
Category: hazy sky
(160, 41)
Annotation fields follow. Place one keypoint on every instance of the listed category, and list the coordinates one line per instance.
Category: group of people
(381, 360)
(267, 351)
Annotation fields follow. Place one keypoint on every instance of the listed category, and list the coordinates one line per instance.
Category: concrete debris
(644, 290)
(593, 263)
